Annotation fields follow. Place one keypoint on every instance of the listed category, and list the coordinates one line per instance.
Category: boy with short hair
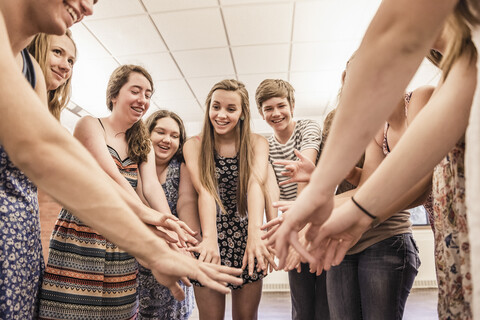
(276, 102)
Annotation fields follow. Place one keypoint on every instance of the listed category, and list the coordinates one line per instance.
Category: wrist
(365, 217)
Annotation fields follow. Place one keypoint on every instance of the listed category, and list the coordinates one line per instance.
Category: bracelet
(363, 209)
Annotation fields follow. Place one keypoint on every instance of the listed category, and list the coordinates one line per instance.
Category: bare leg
(210, 303)
(245, 301)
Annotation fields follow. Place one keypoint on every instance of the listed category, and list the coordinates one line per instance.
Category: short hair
(273, 88)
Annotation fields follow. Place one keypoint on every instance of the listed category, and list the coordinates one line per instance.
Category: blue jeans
(375, 283)
(309, 295)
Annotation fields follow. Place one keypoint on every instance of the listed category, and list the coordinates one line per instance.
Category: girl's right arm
(208, 248)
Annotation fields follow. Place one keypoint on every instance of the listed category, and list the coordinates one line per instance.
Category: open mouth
(277, 120)
(221, 123)
(138, 109)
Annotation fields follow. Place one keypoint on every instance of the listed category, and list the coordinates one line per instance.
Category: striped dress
(87, 276)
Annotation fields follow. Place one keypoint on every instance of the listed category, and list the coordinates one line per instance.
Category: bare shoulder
(88, 125)
(192, 145)
(258, 139)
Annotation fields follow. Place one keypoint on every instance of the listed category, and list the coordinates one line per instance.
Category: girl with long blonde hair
(228, 165)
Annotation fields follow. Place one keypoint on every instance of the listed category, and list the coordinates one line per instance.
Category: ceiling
(189, 45)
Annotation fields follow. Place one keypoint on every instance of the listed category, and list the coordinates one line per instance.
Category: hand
(298, 171)
(208, 250)
(257, 248)
(282, 205)
(169, 222)
(294, 259)
(331, 241)
(286, 234)
(169, 267)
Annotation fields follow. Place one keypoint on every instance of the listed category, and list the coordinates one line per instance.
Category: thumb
(177, 291)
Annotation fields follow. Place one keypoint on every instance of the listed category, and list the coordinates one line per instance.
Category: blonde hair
(459, 38)
(243, 145)
(151, 122)
(137, 136)
(272, 88)
(39, 48)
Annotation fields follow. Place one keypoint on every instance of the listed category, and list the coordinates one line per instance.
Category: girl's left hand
(257, 249)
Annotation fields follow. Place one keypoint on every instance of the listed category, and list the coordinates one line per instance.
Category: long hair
(243, 145)
(137, 136)
(151, 122)
(39, 48)
(459, 39)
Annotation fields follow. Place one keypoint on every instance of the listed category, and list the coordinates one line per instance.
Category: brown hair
(151, 122)
(39, 48)
(272, 88)
(137, 136)
(243, 145)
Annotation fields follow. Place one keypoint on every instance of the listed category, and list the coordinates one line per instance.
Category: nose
(65, 65)
(86, 8)
(275, 112)
(221, 113)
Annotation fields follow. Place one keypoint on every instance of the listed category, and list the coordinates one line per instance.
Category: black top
(28, 69)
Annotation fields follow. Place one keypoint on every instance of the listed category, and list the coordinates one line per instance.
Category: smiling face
(165, 138)
(278, 113)
(133, 99)
(60, 60)
(55, 16)
(225, 111)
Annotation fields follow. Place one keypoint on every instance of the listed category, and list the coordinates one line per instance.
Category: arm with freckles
(207, 208)
(256, 247)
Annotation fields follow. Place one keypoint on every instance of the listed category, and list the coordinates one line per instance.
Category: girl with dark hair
(87, 275)
(167, 134)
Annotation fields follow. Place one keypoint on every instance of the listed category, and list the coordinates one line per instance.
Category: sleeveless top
(155, 300)
(397, 224)
(20, 245)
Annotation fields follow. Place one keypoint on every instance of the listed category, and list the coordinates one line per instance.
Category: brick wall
(49, 210)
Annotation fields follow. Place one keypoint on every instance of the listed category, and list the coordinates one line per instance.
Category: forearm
(208, 215)
(375, 81)
(156, 197)
(256, 206)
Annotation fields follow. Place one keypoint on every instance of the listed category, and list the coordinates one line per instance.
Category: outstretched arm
(64, 168)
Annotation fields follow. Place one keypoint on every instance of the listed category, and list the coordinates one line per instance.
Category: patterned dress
(21, 259)
(452, 247)
(231, 228)
(87, 276)
(156, 301)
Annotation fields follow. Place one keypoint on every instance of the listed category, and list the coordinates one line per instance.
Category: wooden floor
(421, 305)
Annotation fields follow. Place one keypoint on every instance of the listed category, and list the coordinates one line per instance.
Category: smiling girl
(87, 275)
(228, 165)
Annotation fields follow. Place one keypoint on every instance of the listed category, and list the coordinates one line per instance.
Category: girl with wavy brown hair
(79, 257)
(228, 165)
(56, 56)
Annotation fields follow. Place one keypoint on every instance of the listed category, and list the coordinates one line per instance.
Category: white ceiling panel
(127, 36)
(259, 24)
(88, 47)
(205, 63)
(328, 20)
(172, 5)
(116, 8)
(203, 30)
(171, 90)
(271, 58)
(160, 65)
(314, 55)
(89, 84)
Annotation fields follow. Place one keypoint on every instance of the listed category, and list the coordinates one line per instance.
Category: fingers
(186, 281)
(284, 182)
(301, 249)
(177, 291)
(162, 234)
(251, 264)
(341, 251)
(269, 233)
(272, 223)
(244, 261)
(330, 254)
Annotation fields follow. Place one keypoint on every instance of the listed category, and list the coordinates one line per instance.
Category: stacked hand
(257, 249)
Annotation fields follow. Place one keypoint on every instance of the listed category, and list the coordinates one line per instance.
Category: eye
(148, 96)
(215, 107)
(57, 51)
(232, 109)
(135, 92)
(71, 62)
(175, 136)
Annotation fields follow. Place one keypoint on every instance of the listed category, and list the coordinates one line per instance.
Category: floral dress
(21, 258)
(232, 230)
(156, 301)
(452, 247)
